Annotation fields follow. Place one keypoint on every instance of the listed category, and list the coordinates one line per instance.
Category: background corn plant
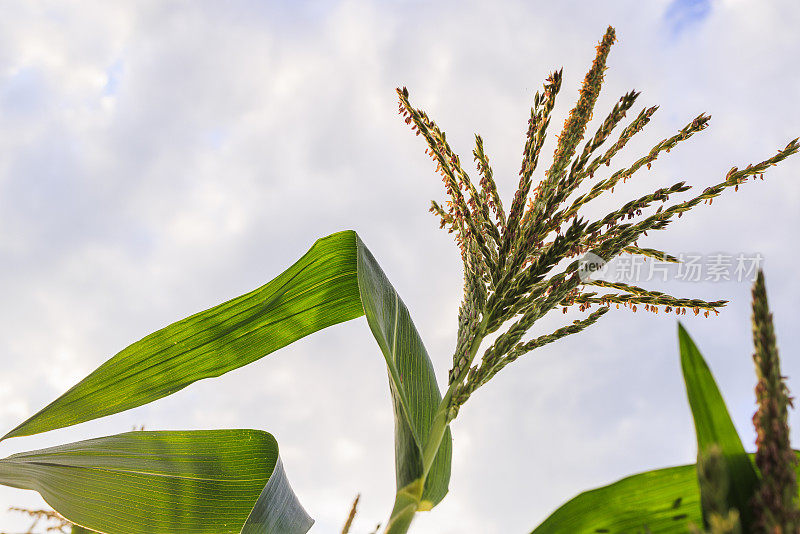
(728, 491)
(468, 128)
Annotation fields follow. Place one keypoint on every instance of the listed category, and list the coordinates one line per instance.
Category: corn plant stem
(408, 499)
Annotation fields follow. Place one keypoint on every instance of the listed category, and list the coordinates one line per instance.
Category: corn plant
(728, 491)
(520, 264)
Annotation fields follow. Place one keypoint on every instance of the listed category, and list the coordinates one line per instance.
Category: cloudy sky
(161, 157)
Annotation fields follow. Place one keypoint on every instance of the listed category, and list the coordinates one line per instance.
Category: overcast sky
(161, 157)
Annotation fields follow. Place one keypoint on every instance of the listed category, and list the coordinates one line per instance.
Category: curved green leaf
(319, 290)
(713, 425)
(337, 280)
(411, 381)
(215, 481)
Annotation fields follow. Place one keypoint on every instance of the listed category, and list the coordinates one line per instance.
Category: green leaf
(664, 500)
(337, 280)
(319, 290)
(412, 381)
(713, 425)
(208, 481)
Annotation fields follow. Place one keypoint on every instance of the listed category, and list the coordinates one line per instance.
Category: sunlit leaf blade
(713, 425)
(335, 281)
(319, 290)
(647, 500)
(178, 482)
